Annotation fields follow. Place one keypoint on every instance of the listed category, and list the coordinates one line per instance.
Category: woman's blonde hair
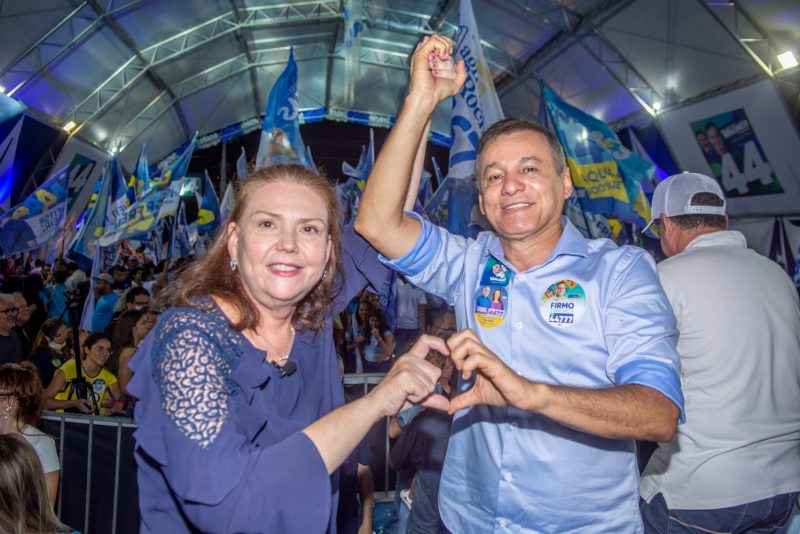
(211, 275)
(23, 491)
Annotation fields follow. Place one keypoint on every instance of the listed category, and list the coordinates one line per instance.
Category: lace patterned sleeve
(191, 370)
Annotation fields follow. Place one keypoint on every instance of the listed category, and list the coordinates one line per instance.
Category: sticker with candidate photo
(490, 305)
(563, 304)
(495, 274)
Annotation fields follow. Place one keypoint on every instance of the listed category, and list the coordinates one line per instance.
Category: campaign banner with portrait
(747, 142)
(86, 165)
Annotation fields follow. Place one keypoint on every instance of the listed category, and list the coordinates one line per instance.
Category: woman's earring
(324, 274)
(233, 265)
(7, 413)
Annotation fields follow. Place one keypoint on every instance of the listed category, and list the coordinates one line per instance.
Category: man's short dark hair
(695, 221)
(134, 292)
(510, 126)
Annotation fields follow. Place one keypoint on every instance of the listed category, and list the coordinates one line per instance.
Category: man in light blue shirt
(573, 360)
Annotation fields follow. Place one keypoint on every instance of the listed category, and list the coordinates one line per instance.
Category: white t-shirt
(45, 447)
(739, 347)
(409, 298)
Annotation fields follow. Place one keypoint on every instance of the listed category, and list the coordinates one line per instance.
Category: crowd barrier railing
(97, 489)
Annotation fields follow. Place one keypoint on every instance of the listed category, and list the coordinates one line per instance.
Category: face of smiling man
(522, 195)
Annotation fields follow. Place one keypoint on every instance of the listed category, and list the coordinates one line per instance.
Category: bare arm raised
(381, 219)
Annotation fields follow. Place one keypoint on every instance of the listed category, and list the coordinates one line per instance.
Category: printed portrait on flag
(734, 154)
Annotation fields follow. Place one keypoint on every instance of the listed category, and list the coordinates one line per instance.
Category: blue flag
(365, 163)
(208, 218)
(387, 298)
(38, 218)
(139, 182)
(454, 206)
(180, 245)
(476, 106)
(143, 216)
(177, 169)
(425, 192)
(350, 191)
(226, 206)
(607, 176)
(280, 130)
(349, 194)
(111, 205)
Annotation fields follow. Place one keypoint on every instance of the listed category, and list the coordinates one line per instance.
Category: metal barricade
(386, 481)
(97, 487)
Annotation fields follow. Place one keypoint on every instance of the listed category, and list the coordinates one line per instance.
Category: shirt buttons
(507, 476)
(518, 325)
(503, 522)
(514, 424)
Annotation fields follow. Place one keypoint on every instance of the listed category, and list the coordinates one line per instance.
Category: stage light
(69, 126)
(657, 106)
(787, 60)
(2, 89)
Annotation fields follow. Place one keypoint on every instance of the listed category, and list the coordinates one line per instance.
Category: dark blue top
(219, 444)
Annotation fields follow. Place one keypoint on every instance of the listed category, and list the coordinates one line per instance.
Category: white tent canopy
(156, 71)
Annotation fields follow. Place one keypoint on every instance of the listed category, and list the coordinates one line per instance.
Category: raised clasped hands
(412, 380)
(433, 71)
(495, 383)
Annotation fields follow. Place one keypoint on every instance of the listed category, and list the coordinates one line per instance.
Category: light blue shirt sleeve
(641, 331)
(436, 261)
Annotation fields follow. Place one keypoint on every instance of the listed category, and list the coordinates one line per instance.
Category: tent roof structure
(128, 72)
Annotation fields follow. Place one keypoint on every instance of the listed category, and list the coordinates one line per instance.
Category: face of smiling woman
(281, 243)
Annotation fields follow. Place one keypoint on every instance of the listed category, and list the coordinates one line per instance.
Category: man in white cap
(734, 465)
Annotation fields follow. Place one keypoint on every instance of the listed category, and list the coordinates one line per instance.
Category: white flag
(476, 106)
(241, 166)
(226, 206)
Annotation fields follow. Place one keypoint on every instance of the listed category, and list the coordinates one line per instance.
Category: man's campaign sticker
(563, 304)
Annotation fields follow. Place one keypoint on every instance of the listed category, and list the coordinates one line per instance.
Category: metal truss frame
(756, 42)
(237, 23)
(137, 67)
(81, 22)
(585, 31)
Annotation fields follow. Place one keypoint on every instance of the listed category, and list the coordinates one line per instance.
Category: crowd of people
(520, 371)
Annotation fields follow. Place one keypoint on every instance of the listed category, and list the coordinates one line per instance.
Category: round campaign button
(491, 302)
(563, 304)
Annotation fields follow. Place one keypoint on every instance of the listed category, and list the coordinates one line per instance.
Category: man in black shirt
(24, 311)
(10, 345)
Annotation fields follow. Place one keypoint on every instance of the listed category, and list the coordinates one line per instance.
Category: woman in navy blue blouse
(230, 438)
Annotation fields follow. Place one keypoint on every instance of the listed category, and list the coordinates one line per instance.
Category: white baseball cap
(674, 196)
